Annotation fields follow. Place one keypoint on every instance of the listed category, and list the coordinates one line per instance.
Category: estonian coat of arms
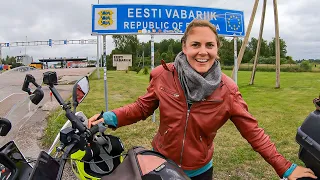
(105, 19)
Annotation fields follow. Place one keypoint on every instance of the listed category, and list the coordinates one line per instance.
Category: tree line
(168, 48)
(11, 60)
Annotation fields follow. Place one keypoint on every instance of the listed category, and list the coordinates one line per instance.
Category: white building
(24, 59)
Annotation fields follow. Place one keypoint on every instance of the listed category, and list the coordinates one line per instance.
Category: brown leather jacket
(186, 136)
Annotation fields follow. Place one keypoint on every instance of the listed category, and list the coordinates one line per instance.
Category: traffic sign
(162, 19)
(50, 42)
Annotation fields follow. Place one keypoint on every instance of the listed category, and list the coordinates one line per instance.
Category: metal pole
(152, 66)
(25, 49)
(98, 56)
(235, 77)
(143, 58)
(105, 70)
(152, 51)
(98, 64)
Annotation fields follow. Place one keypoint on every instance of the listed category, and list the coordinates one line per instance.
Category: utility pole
(25, 49)
(143, 58)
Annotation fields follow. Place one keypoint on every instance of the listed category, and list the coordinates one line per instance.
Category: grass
(279, 111)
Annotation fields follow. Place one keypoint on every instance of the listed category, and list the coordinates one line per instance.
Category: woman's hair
(199, 23)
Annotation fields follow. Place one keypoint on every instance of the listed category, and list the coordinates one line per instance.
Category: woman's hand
(94, 120)
(315, 101)
(300, 172)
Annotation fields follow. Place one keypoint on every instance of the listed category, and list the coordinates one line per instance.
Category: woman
(195, 99)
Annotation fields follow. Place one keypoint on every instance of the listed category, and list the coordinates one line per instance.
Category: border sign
(161, 19)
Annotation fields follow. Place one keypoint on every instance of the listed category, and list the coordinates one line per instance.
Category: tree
(226, 52)
(157, 58)
(170, 54)
(283, 48)
(164, 56)
(290, 60)
(127, 44)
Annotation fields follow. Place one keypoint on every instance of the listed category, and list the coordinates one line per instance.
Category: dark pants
(204, 176)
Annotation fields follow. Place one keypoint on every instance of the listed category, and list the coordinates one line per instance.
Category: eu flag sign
(233, 22)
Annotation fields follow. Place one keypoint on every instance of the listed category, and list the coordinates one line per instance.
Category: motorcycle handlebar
(94, 129)
(75, 121)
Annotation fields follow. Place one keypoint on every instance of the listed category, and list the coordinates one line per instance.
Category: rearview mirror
(80, 90)
(5, 126)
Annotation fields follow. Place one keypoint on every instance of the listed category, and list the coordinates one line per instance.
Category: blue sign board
(162, 19)
(50, 42)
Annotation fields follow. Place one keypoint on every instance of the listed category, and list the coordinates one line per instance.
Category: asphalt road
(28, 120)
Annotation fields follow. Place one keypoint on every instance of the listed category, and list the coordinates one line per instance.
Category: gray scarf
(196, 86)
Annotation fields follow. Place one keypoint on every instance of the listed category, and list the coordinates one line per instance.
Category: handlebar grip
(75, 121)
(101, 115)
(94, 129)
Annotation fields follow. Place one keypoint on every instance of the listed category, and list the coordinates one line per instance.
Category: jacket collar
(167, 66)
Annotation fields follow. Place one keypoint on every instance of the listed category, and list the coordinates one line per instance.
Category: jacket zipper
(203, 145)
(184, 136)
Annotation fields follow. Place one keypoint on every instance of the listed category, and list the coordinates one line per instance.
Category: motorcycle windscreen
(12, 151)
(19, 115)
(46, 168)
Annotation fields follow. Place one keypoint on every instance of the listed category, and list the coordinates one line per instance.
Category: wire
(94, 162)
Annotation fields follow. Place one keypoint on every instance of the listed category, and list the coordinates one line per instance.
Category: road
(29, 120)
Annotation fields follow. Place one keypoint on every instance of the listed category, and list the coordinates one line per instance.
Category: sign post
(105, 70)
(235, 47)
(152, 66)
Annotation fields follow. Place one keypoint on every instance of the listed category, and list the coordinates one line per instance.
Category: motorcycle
(91, 153)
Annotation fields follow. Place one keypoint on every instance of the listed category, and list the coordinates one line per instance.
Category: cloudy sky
(40, 20)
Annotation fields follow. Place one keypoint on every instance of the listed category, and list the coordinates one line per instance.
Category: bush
(145, 70)
(306, 66)
(135, 68)
(269, 60)
(271, 69)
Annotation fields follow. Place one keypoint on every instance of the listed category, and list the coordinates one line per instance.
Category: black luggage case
(308, 137)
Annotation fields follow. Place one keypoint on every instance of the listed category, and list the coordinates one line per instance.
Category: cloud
(40, 20)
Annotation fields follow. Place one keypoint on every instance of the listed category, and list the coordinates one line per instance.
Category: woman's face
(201, 48)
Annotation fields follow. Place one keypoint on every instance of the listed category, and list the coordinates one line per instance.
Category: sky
(40, 20)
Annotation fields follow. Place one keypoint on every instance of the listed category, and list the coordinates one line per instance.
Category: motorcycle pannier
(143, 164)
(308, 137)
